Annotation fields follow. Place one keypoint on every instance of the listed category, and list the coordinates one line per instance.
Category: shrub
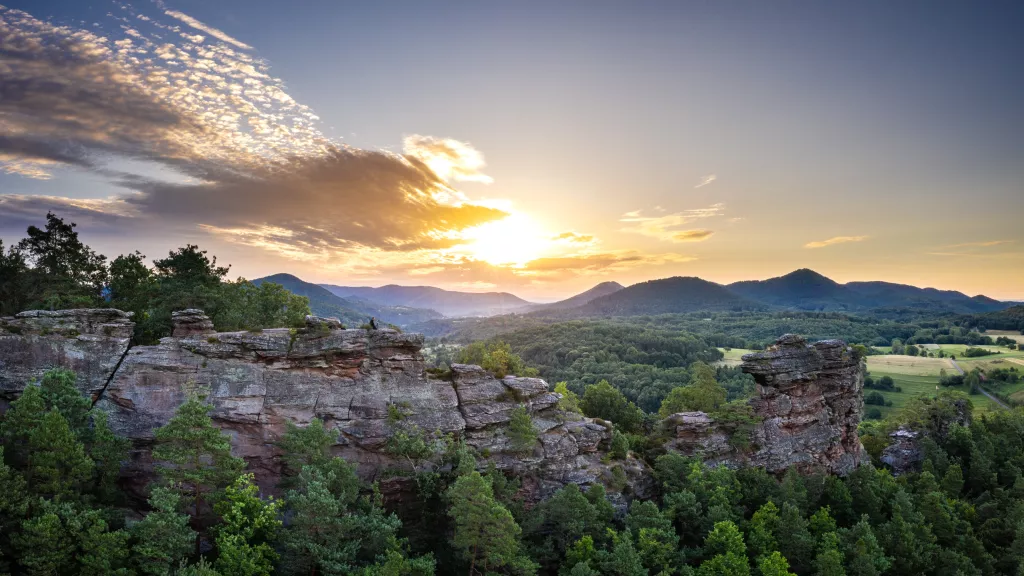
(873, 413)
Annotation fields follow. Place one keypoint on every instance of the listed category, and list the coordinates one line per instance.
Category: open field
(909, 365)
(915, 376)
(733, 356)
(1011, 334)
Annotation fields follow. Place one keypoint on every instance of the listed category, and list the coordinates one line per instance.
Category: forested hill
(602, 289)
(351, 311)
(808, 290)
(665, 296)
(1011, 318)
(447, 302)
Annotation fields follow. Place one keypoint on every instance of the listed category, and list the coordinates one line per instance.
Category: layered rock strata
(362, 383)
(807, 407)
(89, 341)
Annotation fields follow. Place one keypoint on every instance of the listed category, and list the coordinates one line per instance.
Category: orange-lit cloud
(835, 240)
(448, 158)
(670, 227)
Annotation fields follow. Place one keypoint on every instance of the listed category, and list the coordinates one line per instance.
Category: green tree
(14, 505)
(606, 402)
(60, 468)
(195, 457)
(246, 306)
(570, 401)
(22, 418)
(703, 394)
(186, 278)
(495, 357)
(107, 451)
(132, 288)
(953, 481)
(60, 393)
(65, 272)
(485, 532)
(306, 446)
(62, 538)
(829, 561)
(763, 526)
(249, 525)
(864, 556)
(162, 539)
(521, 433)
(14, 278)
(726, 552)
(774, 564)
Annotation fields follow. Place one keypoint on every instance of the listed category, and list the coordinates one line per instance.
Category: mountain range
(447, 302)
(799, 290)
(351, 311)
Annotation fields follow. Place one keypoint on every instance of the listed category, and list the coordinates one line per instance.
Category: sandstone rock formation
(89, 341)
(809, 402)
(903, 454)
(356, 381)
(366, 384)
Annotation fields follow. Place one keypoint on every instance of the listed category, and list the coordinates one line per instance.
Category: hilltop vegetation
(52, 269)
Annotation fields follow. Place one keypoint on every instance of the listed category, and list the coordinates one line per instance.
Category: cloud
(448, 158)
(705, 180)
(252, 167)
(985, 244)
(574, 238)
(692, 235)
(208, 29)
(671, 227)
(835, 240)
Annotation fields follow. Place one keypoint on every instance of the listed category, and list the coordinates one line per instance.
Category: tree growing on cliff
(163, 539)
(521, 433)
(195, 458)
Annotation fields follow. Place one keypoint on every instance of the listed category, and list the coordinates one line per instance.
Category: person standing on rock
(373, 323)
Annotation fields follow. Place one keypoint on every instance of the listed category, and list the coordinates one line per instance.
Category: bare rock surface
(808, 403)
(89, 341)
(190, 322)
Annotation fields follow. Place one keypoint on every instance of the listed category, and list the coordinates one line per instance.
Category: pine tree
(60, 394)
(196, 457)
(864, 556)
(23, 416)
(623, 559)
(305, 446)
(829, 561)
(521, 434)
(60, 469)
(249, 525)
(107, 450)
(485, 531)
(163, 539)
(62, 538)
(13, 506)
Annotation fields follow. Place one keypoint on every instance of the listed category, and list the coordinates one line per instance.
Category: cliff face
(366, 384)
(257, 381)
(809, 402)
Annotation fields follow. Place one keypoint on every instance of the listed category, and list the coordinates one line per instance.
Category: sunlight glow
(512, 241)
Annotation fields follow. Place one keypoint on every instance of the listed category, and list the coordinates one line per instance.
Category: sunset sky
(534, 147)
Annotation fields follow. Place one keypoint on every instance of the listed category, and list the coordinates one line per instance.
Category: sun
(512, 241)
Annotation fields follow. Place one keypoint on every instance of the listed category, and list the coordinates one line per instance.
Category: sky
(533, 147)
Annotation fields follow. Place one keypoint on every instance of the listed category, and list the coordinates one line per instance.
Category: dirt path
(956, 366)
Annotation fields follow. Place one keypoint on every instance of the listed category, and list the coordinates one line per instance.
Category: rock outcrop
(367, 384)
(363, 383)
(808, 406)
(89, 341)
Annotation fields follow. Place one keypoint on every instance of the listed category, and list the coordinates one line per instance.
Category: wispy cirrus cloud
(672, 227)
(984, 244)
(705, 180)
(835, 240)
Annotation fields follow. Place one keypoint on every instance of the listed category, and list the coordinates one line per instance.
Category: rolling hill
(665, 296)
(602, 289)
(351, 311)
(808, 290)
(803, 289)
(447, 302)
